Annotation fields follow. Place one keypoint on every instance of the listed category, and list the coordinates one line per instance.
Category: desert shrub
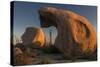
(90, 56)
(30, 52)
(23, 58)
(45, 61)
(50, 49)
(21, 46)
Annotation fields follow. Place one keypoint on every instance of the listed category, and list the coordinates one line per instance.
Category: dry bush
(45, 61)
(22, 58)
(50, 49)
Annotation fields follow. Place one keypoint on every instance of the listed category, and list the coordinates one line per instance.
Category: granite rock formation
(76, 36)
(34, 36)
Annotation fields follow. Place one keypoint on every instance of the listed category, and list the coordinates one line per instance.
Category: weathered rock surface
(33, 36)
(76, 36)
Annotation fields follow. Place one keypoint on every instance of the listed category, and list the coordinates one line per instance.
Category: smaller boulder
(34, 37)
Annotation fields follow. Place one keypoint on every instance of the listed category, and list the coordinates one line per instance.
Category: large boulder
(76, 36)
(33, 36)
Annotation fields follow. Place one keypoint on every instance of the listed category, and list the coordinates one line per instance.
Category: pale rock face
(33, 36)
(76, 36)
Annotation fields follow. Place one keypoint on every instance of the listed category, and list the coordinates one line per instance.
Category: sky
(26, 15)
